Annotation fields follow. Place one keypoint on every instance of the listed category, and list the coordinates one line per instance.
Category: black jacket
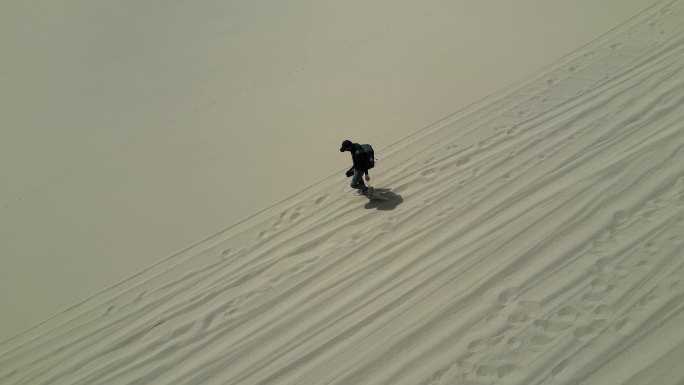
(359, 164)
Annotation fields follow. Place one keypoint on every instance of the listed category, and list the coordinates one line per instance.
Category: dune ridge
(532, 238)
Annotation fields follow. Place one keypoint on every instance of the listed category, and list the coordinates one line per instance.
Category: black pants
(357, 181)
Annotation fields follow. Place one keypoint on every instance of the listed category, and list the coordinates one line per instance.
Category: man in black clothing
(358, 169)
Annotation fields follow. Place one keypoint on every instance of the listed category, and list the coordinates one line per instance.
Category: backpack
(365, 156)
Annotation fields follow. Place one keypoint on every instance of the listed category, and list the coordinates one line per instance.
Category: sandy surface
(535, 237)
(136, 128)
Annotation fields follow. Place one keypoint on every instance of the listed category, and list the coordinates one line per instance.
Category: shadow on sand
(384, 199)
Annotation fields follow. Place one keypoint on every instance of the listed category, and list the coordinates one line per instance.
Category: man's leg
(357, 181)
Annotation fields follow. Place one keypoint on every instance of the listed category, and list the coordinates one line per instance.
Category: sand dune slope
(533, 238)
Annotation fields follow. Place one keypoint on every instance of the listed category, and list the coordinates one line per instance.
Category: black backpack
(365, 156)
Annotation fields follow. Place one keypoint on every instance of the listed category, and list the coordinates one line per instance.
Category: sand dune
(532, 238)
(130, 130)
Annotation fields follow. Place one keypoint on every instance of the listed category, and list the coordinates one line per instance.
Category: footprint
(605, 236)
(506, 296)
(591, 330)
(552, 326)
(313, 260)
(294, 216)
(275, 280)
(225, 312)
(486, 143)
(622, 324)
(429, 173)
(616, 46)
(298, 211)
(597, 291)
(568, 313)
(604, 266)
(572, 69)
(604, 311)
(600, 285)
(279, 222)
(645, 265)
(157, 321)
(487, 372)
(477, 346)
(321, 199)
(436, 377)
(647, 299)
(650, 248)
(540, 339)
(620, 218)
(301, 268)
(476, 196)
(648, 215)
(225, 254)
(514, 343)
(208, 322)
(589, 298)
(497, 340)
(505, 369)
(517, 317)
(559, 367)
(524, 311)
(463, 161)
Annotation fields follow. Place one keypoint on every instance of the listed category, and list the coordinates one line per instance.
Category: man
(363, 158)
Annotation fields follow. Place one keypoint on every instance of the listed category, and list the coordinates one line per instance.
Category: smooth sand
(534, 237)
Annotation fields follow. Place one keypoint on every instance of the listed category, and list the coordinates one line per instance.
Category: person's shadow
(384, 199)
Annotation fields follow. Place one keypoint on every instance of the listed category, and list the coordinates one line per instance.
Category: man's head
(347, 145)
